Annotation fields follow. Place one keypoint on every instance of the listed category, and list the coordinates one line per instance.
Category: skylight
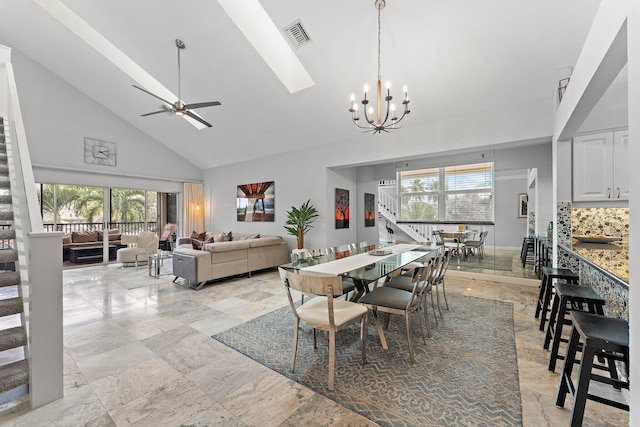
(251, 18)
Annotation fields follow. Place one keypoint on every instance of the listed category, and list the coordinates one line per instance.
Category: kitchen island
(605, 268)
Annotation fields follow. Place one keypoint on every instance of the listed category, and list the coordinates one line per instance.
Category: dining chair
(323, 312)
(387, 299)
(478, 245)
(437, 240)
(438, 281)
(453, 242)
(429, 274)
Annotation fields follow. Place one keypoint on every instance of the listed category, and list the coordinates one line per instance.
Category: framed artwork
(256, 202)
(369, 210)
(342, 208)
(523, 201)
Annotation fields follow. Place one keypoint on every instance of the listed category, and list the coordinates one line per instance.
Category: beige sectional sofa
(244, 254)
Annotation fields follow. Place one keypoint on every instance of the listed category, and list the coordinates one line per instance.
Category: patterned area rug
(466, 374)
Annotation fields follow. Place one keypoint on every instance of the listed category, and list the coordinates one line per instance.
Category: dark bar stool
(544, 298)
(568, 298)
(527, 251)
(543, 258)
(600, 336)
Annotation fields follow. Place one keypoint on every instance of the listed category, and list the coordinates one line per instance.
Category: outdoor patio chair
(166, 239)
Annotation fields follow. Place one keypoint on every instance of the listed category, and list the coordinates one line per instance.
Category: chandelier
(375, 123)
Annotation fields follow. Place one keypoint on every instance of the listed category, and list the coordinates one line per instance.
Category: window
(461, 193)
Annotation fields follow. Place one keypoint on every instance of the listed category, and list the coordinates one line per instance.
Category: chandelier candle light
(378, 125)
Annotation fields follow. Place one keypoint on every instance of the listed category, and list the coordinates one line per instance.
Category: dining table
(365, 266)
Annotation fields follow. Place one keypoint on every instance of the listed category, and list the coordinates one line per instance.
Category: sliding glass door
(86, 214)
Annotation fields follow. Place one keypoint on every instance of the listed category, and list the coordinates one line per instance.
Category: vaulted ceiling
(456, 56)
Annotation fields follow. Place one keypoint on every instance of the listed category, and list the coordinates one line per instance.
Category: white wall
(510, 229)
(307, 174)
(367, 183)
(57, 118)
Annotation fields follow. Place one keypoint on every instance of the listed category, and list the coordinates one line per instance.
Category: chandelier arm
(366, 116)
(366, 128)
(363, 129)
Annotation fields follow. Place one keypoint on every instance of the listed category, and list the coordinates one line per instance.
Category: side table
(156, 261)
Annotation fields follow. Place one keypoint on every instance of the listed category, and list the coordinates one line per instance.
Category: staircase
(387, 207)
(14, 367)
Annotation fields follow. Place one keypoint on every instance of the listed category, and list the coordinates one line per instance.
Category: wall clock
(97, 152)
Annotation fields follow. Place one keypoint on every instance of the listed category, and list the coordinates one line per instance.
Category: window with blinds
(461, 193)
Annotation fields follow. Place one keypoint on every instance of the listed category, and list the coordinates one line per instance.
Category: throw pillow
(199, 244)
(199, 236)
(223, 237)
(196, 244)
(66, 239)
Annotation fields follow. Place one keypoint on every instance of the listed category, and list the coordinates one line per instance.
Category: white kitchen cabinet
(601, 167)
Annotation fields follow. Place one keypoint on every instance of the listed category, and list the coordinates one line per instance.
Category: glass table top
(375, 267)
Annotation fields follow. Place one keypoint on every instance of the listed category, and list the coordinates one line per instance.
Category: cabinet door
(592, 167)
(621, 165)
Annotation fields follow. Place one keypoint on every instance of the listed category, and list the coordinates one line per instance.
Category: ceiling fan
(179, 108)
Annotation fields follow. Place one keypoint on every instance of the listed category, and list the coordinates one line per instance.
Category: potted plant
(299, 221)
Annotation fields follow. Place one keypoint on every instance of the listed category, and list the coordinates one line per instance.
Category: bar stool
(568, 298)
(527, 251)
(544, 298)
(600, 336)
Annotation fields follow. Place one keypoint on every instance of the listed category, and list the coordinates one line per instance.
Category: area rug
(466, 374)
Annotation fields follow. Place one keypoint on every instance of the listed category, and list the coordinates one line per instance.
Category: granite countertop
(609, 257)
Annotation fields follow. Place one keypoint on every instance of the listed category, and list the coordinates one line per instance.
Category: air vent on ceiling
(297, 34)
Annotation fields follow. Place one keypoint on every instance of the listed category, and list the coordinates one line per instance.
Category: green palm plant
(299, 221)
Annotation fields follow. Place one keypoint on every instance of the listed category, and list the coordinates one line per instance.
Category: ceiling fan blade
(193, 116)
(156, 112)
(155, 96)
(202, 105)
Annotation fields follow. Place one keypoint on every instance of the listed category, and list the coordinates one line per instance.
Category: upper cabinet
(601, 167)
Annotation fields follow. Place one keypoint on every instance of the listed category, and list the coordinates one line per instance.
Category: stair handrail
(40, 272)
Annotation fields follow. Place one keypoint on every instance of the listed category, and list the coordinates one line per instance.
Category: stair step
(8, 255)
(9, 278)
(5, 183)
(14, 375)
(3, 146)
(11, 306)
(7, 234)
(12, 338)
(6, 215)
(5, 200)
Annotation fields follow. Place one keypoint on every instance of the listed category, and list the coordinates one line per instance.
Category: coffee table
(155, 261)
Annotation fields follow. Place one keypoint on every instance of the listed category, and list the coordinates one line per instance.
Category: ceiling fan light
(179, 113)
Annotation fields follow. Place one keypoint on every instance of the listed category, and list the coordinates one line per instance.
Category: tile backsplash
(607, 221)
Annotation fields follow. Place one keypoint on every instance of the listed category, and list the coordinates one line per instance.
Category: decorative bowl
(380, 252)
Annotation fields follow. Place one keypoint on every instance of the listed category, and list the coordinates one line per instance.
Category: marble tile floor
(138, 352)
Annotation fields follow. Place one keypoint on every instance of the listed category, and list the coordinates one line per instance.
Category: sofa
(219, 258)
(87, 238)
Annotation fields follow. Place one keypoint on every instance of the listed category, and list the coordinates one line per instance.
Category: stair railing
(39, 253)
(388, 208)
